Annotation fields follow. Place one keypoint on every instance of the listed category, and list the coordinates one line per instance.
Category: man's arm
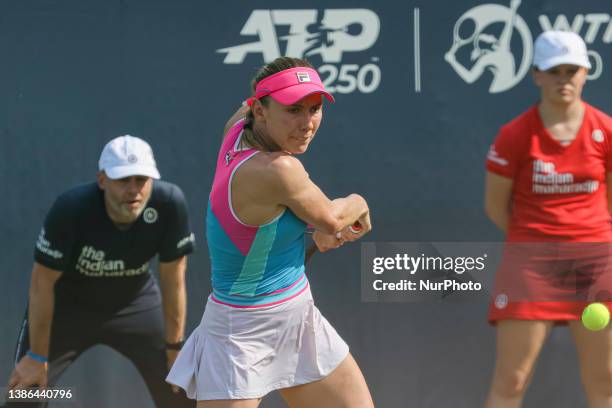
(174, 297)
(42, 302)
(174, 303)
(29, 371)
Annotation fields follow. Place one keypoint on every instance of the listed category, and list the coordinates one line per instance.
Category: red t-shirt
(559, 192)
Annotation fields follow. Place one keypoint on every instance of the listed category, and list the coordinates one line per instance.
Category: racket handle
(310, 251)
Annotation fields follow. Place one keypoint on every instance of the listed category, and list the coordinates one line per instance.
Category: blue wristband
(36, 357)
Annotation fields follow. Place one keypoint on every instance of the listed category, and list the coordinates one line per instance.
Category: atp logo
(327, 35)
(488, 52)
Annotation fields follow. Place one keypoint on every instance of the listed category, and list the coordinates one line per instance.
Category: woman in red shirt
(547, 189)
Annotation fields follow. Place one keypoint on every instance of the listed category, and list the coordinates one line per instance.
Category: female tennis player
(260, 330)
(548, 188)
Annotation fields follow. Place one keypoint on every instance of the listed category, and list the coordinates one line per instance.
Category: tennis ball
(596, 316)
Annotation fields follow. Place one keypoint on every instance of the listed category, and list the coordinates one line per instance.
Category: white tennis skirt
(238, 353)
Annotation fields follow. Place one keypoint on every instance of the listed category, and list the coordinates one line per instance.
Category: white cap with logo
(554, 48)
(127, 156)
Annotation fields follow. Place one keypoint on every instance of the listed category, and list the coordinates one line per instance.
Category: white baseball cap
(126, 156)
(554, 48)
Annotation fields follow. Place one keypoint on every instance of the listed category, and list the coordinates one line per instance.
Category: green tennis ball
(596, 316)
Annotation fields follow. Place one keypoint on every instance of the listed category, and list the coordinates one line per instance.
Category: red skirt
(551, 281)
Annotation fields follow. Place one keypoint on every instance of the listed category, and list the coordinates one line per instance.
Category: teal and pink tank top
(252, 266)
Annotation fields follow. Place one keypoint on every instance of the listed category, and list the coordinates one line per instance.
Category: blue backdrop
(409, 131)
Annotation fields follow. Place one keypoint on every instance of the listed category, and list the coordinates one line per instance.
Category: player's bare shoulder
(274, 172)
(281, 166)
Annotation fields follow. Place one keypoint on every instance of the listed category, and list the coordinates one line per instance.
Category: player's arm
(289, 185)
(239, 114)
(28, 370)
(174, 297)
(498, 199)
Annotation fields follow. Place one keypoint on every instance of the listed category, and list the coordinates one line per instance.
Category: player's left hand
(325, 242)
(170, 358)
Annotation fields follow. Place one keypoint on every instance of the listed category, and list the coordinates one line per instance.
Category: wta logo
(326, 35)
(479, 46)
(487, 51)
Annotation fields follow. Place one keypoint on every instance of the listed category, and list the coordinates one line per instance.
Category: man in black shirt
(91, 282)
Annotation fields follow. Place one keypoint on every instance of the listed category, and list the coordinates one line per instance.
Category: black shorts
(138, 336)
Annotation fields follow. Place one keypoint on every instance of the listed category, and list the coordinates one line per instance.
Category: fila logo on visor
(303, 76)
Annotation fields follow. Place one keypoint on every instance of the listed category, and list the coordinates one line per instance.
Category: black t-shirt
(106, 269)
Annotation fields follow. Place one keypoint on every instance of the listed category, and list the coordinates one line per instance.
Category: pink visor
(289, 86)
